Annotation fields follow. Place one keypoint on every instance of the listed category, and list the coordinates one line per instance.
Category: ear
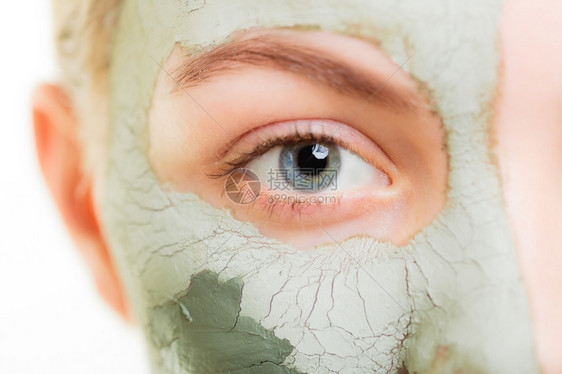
(60, 152)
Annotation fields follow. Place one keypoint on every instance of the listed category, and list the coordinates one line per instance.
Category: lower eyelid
(281, 208)
(284, 208)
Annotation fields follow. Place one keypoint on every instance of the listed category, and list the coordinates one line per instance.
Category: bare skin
(528, 128)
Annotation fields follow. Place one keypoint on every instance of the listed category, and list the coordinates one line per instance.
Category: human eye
(307, 166)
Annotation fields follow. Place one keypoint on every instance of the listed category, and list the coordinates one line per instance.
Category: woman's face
(314, 187)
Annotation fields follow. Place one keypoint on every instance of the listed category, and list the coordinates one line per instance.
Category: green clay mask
(215, 296)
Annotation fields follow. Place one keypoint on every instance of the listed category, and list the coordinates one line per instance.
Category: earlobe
(59, 152)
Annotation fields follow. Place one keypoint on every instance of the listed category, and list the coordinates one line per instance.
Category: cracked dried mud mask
(214, 295)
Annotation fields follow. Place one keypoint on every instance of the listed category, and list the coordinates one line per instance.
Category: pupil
(312, 159)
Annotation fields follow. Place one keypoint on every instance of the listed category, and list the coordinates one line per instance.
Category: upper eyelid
(223, 151)
(307, 129)
(313, 64)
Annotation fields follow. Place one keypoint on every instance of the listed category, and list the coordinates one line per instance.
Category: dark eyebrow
(315, 65)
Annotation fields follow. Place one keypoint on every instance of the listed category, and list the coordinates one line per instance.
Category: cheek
(314, 311)
(222, 297)
(529, 146)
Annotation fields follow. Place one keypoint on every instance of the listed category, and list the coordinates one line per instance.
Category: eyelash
(293, 139)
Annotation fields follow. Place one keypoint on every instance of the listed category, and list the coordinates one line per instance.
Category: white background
(51, 318)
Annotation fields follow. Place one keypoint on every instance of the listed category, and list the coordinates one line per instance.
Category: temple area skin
(414, 266)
